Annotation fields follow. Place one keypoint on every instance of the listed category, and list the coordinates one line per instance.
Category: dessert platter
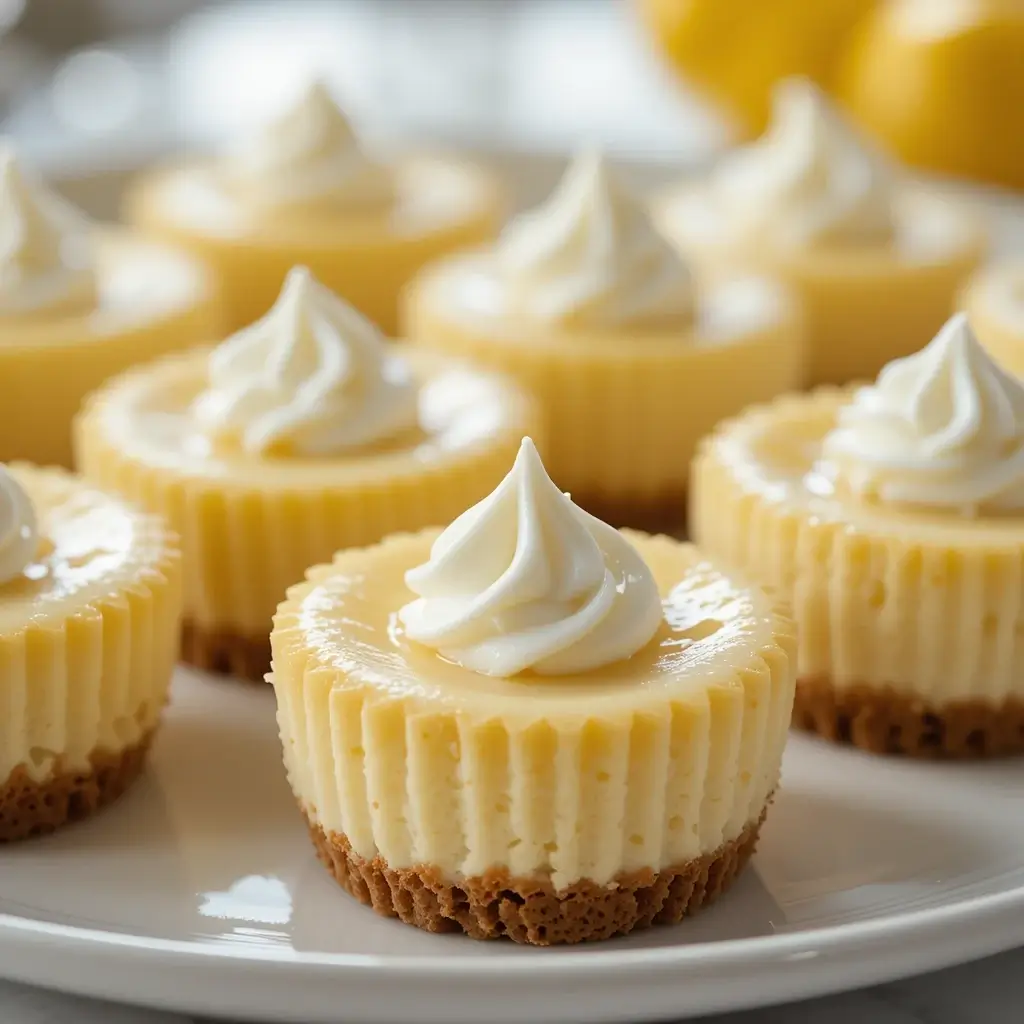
(573, 626)
(199, 891)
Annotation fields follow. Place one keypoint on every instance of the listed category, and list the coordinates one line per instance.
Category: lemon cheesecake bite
(588, 306)
(530, 724)
(891, 517)
(994, 301)
(304, 190)
(90, 601)
(301, 434)
(877, 264)
(79, 303)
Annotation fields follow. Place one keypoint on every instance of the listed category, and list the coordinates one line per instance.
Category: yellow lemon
(941, 83)
(735, 50)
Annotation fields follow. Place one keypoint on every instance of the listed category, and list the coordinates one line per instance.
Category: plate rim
(677, 983)
(999, 909)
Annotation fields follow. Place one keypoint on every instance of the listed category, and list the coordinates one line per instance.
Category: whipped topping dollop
(47, 259)
(311, 377)
(307, 156)
(527, 580)
(810, 180)
(591, 256)
(943, 428)
(19, 534)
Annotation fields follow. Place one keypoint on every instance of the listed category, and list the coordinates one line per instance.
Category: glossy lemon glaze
(644, 763)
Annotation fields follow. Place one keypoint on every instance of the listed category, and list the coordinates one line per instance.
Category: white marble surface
(987, 992)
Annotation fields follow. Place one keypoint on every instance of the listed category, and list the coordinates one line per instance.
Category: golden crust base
(882, 721)
(225, 652)
(29, 808)
(529, 910)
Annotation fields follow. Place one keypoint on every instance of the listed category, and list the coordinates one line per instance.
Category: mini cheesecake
(302, 190)
(876, 264)
(90, 604)
(585, 304)
(79, 304)
(532, 725)
(891, 518)
(305, 433)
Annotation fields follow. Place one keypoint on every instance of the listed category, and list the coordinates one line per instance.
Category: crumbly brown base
(663, 514)
(225, 652)
(529, 910)
(882, 721)
(29, 808)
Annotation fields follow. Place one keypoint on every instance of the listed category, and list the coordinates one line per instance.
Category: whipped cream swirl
(19, 534)
(527, 580)
(809, 181)
(592, 257)
(312, 377)
(307, 156)
(943, 428)
(46, 246)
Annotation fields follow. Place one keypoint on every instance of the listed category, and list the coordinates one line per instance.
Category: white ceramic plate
(201, 893)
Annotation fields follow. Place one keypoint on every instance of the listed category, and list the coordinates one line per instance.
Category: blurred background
(103, 86)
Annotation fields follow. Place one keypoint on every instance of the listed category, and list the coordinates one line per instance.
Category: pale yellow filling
(644, 763)
(88, 631)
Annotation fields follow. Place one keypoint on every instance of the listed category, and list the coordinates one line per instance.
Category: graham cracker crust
(29, 808)
(225, 652)
(665, 513)
(529, 910)
(882, 721)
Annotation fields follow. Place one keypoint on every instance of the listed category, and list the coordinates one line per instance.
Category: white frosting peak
(46, 246)
(943, 428)
(312, 377)
(19, 535)
(591, 256)
(527, 580)
(809, 181)
(308, 156)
